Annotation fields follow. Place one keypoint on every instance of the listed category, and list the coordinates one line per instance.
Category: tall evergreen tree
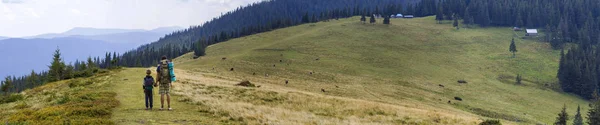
(467, 18)
(513, 47)
(455, 24)
(363, 19)
(578, 120)
(32, 79)
(372, 20)
(386, 19)
(57, 67)
(439, 16)
(593, 115)
(6, 85)
(519, 20)
(200, 48)
(563, 117)
(90, 64)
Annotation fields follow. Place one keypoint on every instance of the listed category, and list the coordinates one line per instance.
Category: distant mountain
(78, 43)
(36, 54)
(82, 31)
(166, 30)
(134, 38)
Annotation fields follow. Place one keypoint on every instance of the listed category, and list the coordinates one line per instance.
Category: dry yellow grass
(274, 104)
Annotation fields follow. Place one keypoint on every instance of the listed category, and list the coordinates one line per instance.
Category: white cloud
(12, 1)
(32, 12)
(34, 17)
(75, 11)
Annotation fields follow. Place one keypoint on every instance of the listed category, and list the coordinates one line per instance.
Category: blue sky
(19, 18)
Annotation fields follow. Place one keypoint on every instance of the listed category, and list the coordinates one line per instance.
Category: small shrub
(246, 84)
(11, 98)
(519, 79)
(64, 99)
(491, 122)
(102, 71)
(22, 105)
(458, 98)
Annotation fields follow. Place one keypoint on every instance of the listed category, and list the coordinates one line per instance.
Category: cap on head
(163, 57)
(148, 71)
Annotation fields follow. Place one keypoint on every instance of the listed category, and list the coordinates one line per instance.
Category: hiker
(148, 86)
(164, 79)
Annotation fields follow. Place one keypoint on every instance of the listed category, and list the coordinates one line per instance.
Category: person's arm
(157, 76)
(154, 82)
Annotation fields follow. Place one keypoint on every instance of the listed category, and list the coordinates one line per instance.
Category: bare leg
(162, 100)
(169, 100)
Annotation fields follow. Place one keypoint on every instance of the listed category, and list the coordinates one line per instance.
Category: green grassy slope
(371, 74)
(400, 64)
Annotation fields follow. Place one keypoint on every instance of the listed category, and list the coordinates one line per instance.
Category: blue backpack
(148, 83)
(172, 72)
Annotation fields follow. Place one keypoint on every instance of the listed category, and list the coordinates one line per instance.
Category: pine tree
(386, 19)
(484, 17)
(513, 47)
(57, 67)
(305, 18)
(519, 21)
(200, 48)
(578, 120)
(69, 72)
(455, 24)
(563, 117)
(32, 79)
(593, 115)
(90, 64)
(439, 16)
(363, 19)
(467, 18)
(6, 85)
(372, 20)
(519, 79)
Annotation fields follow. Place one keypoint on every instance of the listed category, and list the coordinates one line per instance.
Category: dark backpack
(148, 83)
(165, 75)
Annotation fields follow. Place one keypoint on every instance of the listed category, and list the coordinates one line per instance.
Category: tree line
(245, 21)
(593, 115)
(252, 19)
(58, 70)
(564, 21)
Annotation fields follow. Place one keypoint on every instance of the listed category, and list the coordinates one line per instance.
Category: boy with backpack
(148, 86)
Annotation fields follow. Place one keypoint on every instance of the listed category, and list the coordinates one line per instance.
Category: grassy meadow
(338, 72)
(402, 65)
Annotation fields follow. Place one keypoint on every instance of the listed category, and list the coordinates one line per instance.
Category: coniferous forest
(562, 22)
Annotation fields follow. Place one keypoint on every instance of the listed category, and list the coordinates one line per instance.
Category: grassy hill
(370, 74)
(402, 65)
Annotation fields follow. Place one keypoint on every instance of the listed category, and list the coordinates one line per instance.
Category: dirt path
(128, 86)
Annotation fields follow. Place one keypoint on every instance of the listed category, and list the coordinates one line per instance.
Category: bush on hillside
(11, 98)
(491, 122)
(79, 82)
(246, 84)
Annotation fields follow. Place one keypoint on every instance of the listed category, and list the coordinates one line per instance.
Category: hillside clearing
(402, 64)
